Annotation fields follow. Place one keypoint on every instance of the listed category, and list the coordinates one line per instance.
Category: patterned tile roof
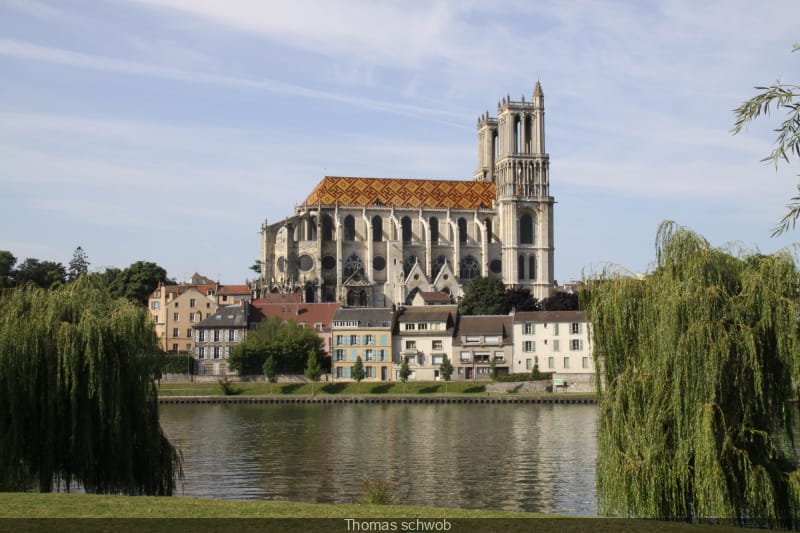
(402, 192)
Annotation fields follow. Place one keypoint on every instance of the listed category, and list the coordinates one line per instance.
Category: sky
(170, 130)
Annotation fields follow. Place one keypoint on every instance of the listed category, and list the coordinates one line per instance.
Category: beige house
(423, 337)
(477, 341)
(176, 309)
(560, 342)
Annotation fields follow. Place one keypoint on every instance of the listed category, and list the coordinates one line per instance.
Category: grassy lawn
(191, 514)
(261, 388)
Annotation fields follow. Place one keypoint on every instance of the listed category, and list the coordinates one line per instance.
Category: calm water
(538, 458)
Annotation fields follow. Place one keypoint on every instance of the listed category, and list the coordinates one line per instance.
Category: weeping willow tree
(79, 403)
(699, 358)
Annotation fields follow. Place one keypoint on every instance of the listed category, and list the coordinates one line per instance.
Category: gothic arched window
(521, 267)
(470, 268)
(531, 267)
(462, 230)
(526, 229)
(377, 229)
(311, 229)
(405, 225)
(327, 228)
(349, 228)
(488, 223)
(352, 265)
(434, 223)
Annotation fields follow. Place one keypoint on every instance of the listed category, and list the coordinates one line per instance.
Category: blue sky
(169, 130)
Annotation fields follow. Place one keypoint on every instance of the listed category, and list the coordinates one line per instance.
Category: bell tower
(511, 153)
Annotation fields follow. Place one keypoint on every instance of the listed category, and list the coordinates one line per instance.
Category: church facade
(378, 242)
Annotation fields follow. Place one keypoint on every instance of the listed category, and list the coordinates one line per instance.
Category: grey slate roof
(231, 316)
(550, 316)
(366, 317)
(484, 325)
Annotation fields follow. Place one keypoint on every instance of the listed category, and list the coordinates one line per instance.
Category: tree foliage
(44, 274)
(561, 301)
(358, 371)
(782, 98)
(7, 262)
(313, 370)
(288, 342)
(78, 265)
(136, 282)
(485, 296)
(270, 369)
(446, 371)
(404, 373)
(699, 359)
(520, 299)
(79, 402)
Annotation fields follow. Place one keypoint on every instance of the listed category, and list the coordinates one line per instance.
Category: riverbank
(83, 512)
(350, 390)
(379, 399)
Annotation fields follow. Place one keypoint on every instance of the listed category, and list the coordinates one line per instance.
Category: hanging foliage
(78, 402)
(698, 361)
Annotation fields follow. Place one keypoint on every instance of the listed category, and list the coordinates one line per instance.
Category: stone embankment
(551, 399)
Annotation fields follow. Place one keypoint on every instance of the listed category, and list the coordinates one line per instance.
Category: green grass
(323, 389)
(384, 388)
(34, 507)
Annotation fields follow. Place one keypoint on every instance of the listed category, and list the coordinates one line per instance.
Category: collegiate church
(378, 242)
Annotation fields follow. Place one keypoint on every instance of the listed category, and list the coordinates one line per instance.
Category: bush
(377, 491)
(228, 388)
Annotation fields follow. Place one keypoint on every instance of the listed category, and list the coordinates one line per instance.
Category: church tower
(511, 153)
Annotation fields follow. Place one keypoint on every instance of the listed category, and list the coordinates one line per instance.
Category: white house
(559, 342)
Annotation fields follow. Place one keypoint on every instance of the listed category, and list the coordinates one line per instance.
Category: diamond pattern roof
(402, 192)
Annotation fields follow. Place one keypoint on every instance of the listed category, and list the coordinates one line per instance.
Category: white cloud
(34, 52)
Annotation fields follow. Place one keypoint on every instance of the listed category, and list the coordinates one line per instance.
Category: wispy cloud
(28, 51)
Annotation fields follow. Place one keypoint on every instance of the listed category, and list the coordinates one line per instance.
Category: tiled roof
(367, 317)
(234, 289)
(279, 298)
(550, 316)
(309, 314)
(428, 313)
(430, 297)
(485, 325)
(402, 192)
(229, 316)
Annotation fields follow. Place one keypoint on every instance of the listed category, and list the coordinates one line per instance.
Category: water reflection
(538, 458)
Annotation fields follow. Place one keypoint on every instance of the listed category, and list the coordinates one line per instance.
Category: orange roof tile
(402, 192)
(234, 289)
(309, 314)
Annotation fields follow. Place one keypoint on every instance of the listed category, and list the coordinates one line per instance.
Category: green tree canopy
(136, 282)
(44, 274)
(520, 299)
(784, 98)
(7, 262)
(699, 358)
(288, 342)
(485, 296)
(405, 372)
(561, 301)
(313, 370)
(78, 265)
(79, 403)
(358, 371)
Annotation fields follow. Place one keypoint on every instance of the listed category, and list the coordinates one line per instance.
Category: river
(517, 457)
